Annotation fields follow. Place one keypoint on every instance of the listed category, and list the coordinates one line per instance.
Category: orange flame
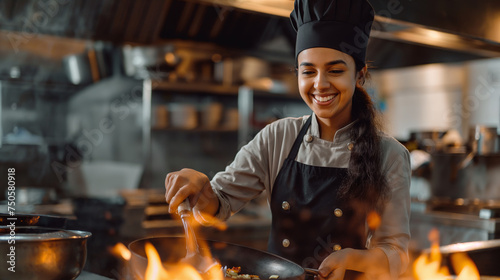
(155, 269)
(465, 267)
(373, 220)
(178, 271)
(120, 250)
(428, 266)
(214, 222)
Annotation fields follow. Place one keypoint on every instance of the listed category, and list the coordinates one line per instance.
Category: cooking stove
(457, 220)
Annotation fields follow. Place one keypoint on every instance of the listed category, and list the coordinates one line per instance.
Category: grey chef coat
(258, 163)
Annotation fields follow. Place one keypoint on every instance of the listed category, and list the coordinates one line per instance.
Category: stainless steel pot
(484, 140)
(449, 178)
(34, 253)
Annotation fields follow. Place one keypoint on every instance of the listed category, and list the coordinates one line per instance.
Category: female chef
(337, 186)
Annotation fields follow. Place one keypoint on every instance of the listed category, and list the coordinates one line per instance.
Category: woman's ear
(361, 76)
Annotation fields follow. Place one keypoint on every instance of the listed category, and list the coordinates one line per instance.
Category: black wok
(32, 220)
(251, 261)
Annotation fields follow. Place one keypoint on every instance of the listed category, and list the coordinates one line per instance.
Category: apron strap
(296, 145)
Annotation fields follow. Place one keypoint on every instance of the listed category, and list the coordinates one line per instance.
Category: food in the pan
(235, 273)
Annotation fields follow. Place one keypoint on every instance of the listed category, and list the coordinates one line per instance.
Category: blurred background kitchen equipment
(89, 66)
(448, 178)
(211, 114)
(484, 139)
(48, 221)
(184, 116)
(35, 195)
(150, 62)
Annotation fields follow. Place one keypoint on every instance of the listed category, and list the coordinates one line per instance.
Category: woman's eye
(307, 72)
(336, 71)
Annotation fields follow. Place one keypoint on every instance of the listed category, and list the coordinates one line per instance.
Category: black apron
(309, 221)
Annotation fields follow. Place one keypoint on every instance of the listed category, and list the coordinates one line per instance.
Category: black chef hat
(343, 25)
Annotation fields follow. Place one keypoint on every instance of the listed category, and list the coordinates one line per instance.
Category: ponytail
(365, 181)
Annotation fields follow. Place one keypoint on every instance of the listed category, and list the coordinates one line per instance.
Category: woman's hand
(189, 183)
(372, 262)
(334, 266)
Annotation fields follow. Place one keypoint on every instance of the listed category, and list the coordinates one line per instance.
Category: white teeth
(324, 98)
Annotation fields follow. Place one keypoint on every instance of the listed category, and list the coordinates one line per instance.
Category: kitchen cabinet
(202, 126)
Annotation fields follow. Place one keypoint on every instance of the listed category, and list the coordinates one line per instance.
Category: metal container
(449, 178)
(34, 253)
(484, 140)
(78, 68)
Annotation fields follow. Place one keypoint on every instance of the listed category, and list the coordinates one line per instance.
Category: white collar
(341, 136)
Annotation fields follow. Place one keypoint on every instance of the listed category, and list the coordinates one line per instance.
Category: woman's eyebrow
(338, 61)
(333, 62)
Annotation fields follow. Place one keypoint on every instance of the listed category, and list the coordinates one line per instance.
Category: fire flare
(428, 266)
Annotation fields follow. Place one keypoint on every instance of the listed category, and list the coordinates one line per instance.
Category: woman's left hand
(334, 266)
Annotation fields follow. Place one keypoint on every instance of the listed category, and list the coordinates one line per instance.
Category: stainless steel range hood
(406, 32)
(410, 32)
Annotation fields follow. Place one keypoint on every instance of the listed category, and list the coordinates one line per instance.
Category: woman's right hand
(191, 184)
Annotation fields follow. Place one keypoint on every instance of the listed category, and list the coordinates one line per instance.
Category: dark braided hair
(365, 181)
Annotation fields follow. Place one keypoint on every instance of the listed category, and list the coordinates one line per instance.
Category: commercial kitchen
(99, 100)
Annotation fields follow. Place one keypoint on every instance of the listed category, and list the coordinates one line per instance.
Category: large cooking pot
(251, 261)
(449, 179)
(42, 253)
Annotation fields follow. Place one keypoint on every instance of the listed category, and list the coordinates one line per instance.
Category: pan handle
(311, 271)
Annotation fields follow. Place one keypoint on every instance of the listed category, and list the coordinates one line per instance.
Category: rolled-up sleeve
(393, 234)
(245, 178)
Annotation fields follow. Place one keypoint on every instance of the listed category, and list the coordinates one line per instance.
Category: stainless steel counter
(453, 227)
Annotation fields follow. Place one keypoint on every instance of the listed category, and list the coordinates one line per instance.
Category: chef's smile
(324, 99)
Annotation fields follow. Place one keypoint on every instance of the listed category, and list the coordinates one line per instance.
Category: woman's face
(327, 79)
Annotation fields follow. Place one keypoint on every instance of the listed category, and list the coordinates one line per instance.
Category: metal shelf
(194, 87)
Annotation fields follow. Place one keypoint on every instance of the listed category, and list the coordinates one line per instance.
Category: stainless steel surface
(43, 253)
(78, 68)
(147, 92)
(35, 195)
(405, 32)
(484, 139)
(449, 179)
(457, 220)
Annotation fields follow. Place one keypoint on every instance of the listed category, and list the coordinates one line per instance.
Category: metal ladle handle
(184, 207)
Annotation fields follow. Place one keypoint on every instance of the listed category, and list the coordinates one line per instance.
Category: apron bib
(309, 221)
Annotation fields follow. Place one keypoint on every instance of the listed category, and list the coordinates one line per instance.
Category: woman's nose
(321, 82)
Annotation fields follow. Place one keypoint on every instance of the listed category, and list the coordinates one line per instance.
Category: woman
(338, 188)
